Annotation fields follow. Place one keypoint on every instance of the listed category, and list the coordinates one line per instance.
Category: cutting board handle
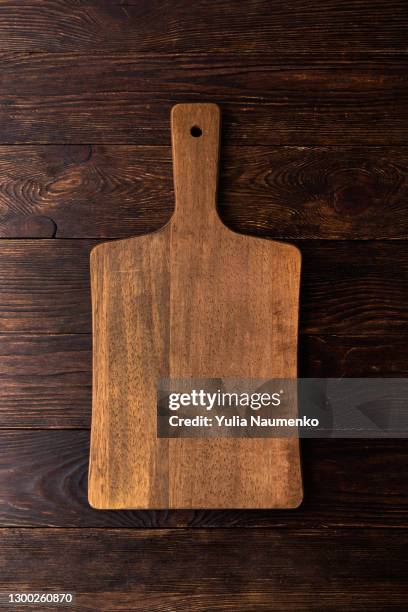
(195, 130)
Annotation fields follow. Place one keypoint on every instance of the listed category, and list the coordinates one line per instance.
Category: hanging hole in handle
(196, 131)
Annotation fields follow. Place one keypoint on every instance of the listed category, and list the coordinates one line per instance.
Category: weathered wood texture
(286, 73)
(347, 483)
(215, 569)
(353, 357)
(44, 286)
(85, 191)
(46, 379)
(109, 25)
(229, 76)
(127, 99)
(348, 288)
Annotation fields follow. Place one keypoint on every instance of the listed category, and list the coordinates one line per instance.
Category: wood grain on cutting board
(193, 300)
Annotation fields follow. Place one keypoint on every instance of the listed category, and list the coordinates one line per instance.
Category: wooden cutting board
(192, 300)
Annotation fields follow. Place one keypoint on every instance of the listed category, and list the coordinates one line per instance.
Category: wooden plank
(114, 191)
(264, 102)
(44, 286)
(76, 191)
(185, 570)
(234, 76)
(353, 357)
(44, 25)
(143, 119)
(43, 482)
(348, 288)
(46, 379)
(347, 193)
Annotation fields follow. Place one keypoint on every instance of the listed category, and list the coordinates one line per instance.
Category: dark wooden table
(315, 134)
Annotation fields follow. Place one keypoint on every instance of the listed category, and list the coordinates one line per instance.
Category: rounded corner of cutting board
(95, 502)
(293, 250)
(296, 501)
(184, 108)
(96, 251)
